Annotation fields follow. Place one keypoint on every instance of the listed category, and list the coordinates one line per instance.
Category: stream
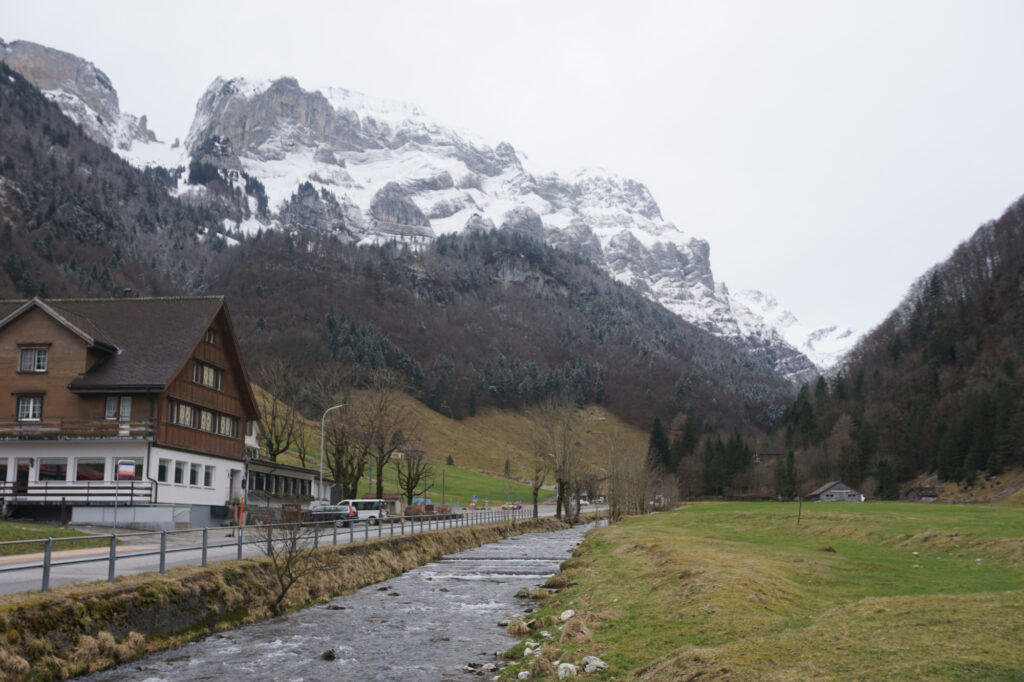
(425, 624)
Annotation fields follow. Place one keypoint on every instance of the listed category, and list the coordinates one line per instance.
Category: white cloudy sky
(829, 151)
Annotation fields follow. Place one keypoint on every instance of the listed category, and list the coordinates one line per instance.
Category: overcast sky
(830, 152)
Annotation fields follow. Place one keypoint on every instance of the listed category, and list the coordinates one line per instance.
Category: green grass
(856, 591)
(12, 530)
(459, 486)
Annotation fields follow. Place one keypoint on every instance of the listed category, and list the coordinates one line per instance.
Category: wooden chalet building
(142, 399)
(836, 491)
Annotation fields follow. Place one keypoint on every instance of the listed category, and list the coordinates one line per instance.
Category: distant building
(921, 493)
(145, 401)
(836, 491)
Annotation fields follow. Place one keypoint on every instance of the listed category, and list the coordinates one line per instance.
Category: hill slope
(939, 385)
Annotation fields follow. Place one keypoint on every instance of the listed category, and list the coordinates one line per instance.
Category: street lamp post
(323, 421)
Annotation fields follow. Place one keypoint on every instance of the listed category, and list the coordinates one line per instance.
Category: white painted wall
(225, 485)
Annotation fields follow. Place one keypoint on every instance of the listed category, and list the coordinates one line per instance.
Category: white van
(369, 510)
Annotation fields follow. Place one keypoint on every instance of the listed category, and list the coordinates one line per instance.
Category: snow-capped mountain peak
(824, 345)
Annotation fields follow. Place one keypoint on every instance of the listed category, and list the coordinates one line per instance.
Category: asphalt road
(139, 552)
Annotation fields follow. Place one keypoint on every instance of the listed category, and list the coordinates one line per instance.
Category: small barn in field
(836, 491)
(921, 493)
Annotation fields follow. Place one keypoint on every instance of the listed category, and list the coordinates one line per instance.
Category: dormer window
(211, 337)
(207, 375)
(32, 359)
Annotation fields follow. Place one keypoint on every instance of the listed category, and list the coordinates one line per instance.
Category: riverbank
(739, 591)
(86, 627)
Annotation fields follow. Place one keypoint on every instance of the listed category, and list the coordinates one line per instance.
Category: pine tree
(886, 487)
(658, 451)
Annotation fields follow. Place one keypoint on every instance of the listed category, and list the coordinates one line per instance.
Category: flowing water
(423, 625)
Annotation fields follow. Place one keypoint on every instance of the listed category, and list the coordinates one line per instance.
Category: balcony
(78, 492)
(76, 428)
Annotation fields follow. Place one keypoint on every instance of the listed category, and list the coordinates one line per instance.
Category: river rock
(593, 664)
(545, 634)
(566, 615)
(524, 593)
(567, 670)
(523, 675)
(503, 623)
(488, 667)
(329, 655)
(527, 652)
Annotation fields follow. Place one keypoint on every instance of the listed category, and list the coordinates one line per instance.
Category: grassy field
(459, 486)
(856, 591)
(14, 530)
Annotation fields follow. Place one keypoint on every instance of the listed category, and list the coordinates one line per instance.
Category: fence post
(204, 545)
(163, 551)
(392, 524)
(113, 558)
(335, 527)
(241, 529)
(351, 531)
(366, 530)
(316, 535)
(46, 564)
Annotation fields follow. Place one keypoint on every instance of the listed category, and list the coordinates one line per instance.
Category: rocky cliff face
(83, 92)
(415, 179)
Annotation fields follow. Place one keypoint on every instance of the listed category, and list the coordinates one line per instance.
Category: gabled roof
(819, 491)
(73, 322)
(146, 339)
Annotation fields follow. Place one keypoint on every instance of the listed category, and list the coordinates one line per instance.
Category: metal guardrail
(74, 428)
(253, 534)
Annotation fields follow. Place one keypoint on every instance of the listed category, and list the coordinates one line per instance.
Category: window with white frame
(53, 469)
(32, 359)
(90, 468)
(30, 408)
(163, 470)
(208, 476)
(193, 474)
(179, 472)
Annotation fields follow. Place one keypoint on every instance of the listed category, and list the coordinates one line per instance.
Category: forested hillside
(487, 318)
(938, 385)
(77, 220)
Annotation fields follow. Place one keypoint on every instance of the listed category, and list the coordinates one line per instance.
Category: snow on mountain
(397, 173)
(823, 345)
(371, 170)
(85, 94)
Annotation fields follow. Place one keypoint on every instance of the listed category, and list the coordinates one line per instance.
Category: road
(139, 552)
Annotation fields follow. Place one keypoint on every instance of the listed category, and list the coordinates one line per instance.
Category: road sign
(126, 468)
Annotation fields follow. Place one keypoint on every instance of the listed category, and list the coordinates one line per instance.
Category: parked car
(371, 511)
(511, 505)
(341, 514)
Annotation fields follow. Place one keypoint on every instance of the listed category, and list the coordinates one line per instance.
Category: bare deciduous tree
(558, 424)
(293, 554)
(346, 454)
(541, 464)
(385, 425)
(280, 425)
(415, 473)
